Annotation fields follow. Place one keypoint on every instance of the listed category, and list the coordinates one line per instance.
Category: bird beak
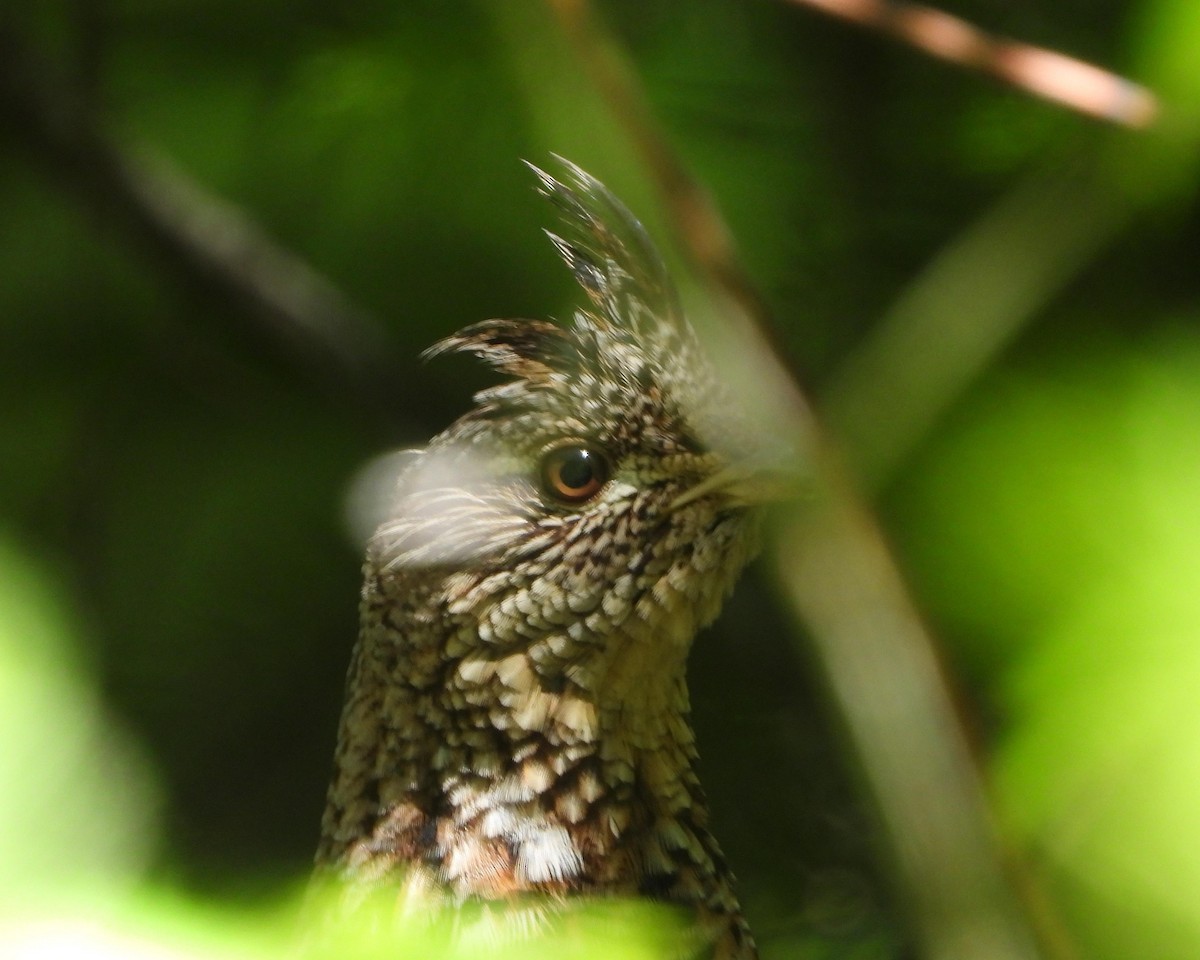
(743, 486)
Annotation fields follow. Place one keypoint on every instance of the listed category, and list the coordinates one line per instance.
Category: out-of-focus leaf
(1064, 526)
(79, 804)
(154, 925)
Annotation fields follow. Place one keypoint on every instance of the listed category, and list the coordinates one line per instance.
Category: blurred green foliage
(1075, 598)
(177, 580)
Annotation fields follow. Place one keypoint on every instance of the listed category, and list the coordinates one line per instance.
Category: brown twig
(706, 238)
(836, 574)
(1047, 74)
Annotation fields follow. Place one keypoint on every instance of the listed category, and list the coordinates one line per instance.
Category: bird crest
(517, 713)
(624, 384)
(633, 341)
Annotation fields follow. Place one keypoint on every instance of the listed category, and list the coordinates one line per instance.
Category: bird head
(597, 501)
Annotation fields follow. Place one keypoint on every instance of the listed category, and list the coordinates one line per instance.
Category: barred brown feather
(517, 717)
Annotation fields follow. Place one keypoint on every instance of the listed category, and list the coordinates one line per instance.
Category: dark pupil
(577, 469)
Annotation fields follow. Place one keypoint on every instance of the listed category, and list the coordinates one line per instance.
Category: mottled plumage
(517, 716)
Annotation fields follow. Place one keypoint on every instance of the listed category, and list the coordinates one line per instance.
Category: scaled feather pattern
(517, 724)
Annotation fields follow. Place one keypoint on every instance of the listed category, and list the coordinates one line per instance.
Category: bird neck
(489, 770)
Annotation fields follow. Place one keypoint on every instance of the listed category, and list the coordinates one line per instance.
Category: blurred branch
(837, 576)
(1047, 74)
(707, 240)
(836, 573)
(952, 321)
(209, 245)
(973, 298)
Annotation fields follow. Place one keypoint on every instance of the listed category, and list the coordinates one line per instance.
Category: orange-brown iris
(574, 472)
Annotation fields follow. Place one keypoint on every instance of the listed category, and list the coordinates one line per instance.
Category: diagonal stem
(1046, 74)
(208, 245)
(837, 577)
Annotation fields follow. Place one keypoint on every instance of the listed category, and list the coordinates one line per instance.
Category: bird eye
(574, 472)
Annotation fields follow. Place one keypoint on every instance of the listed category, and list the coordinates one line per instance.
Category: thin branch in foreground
(1047, 74)
(838, 577)
(970, 301)
(706, 239)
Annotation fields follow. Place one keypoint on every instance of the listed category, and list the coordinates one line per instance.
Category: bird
(516, 726)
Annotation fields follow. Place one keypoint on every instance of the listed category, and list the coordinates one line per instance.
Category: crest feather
(609, 252)
(635, 323)
(529, 349)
